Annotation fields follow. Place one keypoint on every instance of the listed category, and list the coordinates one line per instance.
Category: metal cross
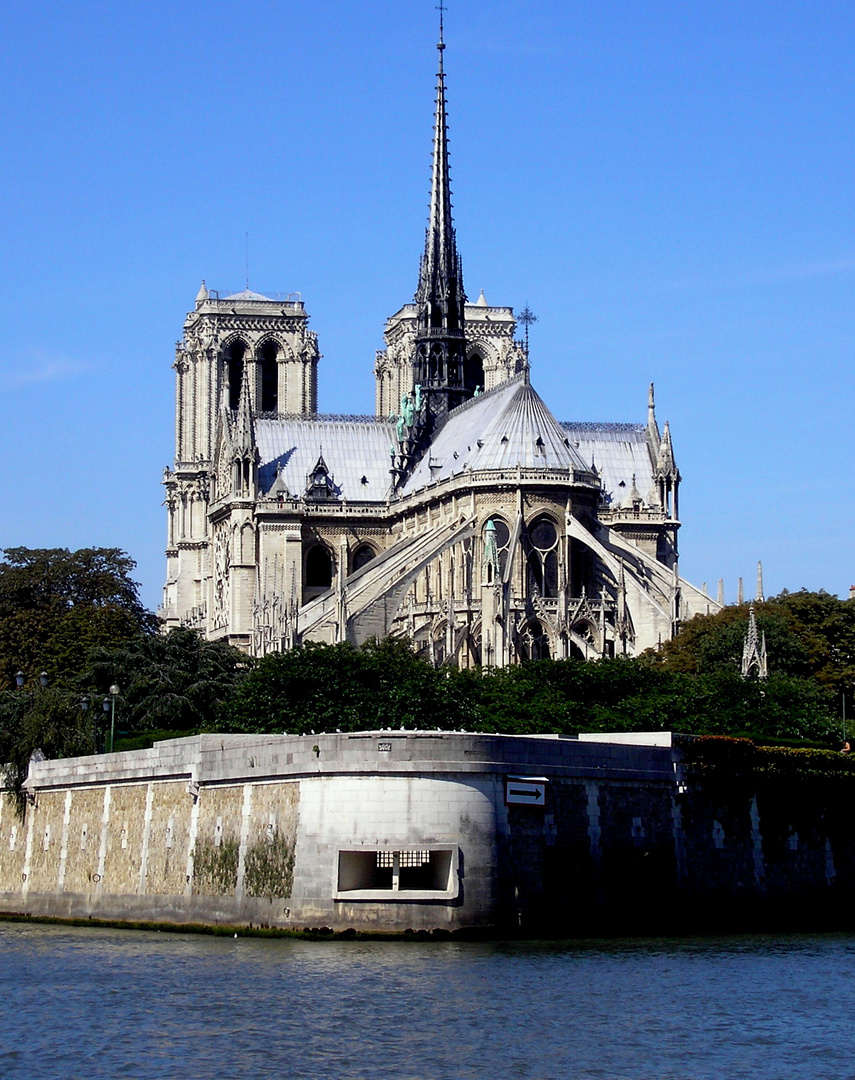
(526, 317)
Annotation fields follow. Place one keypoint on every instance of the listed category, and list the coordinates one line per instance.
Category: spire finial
(654, 439)
(244, 431)
(440, 7)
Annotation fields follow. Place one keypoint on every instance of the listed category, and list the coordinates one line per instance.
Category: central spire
(440, 262)
(440, 298)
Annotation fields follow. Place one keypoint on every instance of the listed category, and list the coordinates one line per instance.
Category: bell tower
(240, 344)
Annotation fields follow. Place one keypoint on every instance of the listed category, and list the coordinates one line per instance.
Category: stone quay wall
(411, 830)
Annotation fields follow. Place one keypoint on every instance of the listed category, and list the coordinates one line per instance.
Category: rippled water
(99, 1003)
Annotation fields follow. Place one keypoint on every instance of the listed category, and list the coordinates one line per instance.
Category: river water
(81, 1002)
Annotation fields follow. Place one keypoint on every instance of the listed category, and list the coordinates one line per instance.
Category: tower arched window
(269, 376)
(234, 371)
(473, 371)
(543, 557)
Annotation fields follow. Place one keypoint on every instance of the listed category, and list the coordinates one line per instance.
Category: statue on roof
(407, 410)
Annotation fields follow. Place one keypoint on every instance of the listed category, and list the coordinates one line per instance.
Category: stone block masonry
(414, 830)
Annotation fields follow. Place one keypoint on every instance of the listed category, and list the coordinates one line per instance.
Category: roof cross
(526, 317)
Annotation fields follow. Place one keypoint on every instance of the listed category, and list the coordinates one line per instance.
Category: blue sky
(669, 185)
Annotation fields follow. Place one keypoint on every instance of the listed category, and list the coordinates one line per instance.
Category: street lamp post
(114, 692)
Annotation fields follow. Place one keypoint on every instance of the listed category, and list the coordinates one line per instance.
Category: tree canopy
(384, 685)
(77, 616)
(57, 605)
(320, 687)
(175, 682)
(808, 635)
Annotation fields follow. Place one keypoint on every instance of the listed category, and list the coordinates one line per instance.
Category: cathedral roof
(506, 427)
(619, 451)
(355, 450)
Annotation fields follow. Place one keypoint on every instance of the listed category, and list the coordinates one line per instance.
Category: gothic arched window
(234, 371)
(534, 643)
(269, 377)
(319, 572)
(436, 370)
(543, 557)
(582, 569)
(363, 554)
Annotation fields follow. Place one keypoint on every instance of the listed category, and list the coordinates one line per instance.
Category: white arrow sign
(525, 792)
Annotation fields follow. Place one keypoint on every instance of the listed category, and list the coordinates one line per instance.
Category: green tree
(42, 720)
(175, 682)
(710, 643)
(319, 687)
(825, 626)
(57, 605)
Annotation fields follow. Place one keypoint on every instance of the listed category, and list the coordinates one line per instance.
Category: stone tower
(262, 344)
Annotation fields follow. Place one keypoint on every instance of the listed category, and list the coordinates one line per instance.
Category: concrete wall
(408, 830)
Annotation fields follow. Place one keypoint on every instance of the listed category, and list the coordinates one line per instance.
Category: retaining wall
(389, 831)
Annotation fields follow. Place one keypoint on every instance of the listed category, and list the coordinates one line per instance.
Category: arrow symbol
(536, 794)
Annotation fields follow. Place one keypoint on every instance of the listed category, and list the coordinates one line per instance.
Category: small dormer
(320, 485)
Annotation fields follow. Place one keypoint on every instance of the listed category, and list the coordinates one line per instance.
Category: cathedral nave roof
(619, 452)
(354, 449)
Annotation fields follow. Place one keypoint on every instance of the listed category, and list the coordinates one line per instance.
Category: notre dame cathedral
(462, 515)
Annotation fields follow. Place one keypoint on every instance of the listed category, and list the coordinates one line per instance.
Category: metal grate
(415, 858)
(386, 859)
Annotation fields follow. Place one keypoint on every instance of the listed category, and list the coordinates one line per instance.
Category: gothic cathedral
(462, 515)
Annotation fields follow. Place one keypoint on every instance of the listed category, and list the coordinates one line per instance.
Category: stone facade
(462, 514)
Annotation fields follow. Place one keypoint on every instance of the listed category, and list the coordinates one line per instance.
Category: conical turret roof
(502, 429)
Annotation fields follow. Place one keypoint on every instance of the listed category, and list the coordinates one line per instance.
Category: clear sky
(668, 184)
